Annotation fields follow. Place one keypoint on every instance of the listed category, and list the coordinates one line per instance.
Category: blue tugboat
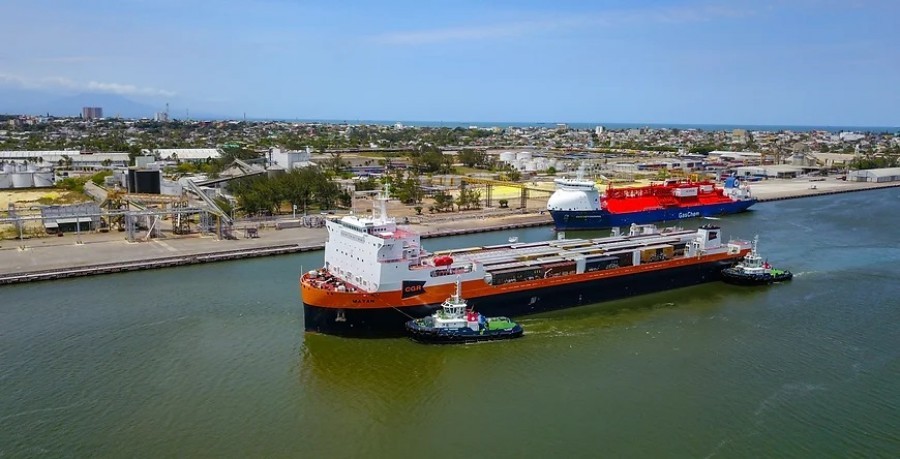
(454, 323)
(752, 270)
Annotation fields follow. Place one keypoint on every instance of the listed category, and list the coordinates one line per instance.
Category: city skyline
(809, 62)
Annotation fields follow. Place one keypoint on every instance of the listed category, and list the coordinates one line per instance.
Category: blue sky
(811, 62)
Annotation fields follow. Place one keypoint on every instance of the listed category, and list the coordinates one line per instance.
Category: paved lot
(781, 189)
(97, 248)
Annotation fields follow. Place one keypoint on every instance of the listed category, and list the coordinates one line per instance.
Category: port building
(890, 174)
(37, 169)
(195, 155)
(289, 159)
(70, 218)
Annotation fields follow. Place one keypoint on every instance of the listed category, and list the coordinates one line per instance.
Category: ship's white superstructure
(575, 194)
(374, 254)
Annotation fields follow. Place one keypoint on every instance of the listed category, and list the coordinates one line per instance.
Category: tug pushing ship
(377, 276)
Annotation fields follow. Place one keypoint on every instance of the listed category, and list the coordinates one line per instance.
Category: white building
(782, 171)
(73, 158)
(194, 155)
(735, 155)
(891, 174)
(289, 160)
(851, 136)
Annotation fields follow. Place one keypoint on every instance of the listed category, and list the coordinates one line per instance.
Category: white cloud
(67, 59)
(454, 34)
(57, 82)
(670, 15)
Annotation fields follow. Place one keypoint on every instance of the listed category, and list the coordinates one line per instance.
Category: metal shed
(890, 174)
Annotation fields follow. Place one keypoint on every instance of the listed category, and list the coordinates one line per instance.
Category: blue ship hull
(598, 219)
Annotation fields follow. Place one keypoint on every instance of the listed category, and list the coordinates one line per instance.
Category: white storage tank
(171, 188)
(507, 157)
(21, 180)
(8, 167)
(43, 179)
(5, 181)
(523, 155)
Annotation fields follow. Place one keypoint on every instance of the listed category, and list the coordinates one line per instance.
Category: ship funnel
(381, 203)
(580, 173)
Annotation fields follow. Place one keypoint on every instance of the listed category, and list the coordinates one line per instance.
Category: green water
(212, 361)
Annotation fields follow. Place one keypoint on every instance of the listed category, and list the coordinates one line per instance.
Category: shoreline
(312, 242)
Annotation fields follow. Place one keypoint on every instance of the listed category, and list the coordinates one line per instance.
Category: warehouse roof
(883, 172)
(188, 153)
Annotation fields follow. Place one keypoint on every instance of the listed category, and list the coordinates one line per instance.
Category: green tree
(469, 198)
(443, 201)
(471, 158)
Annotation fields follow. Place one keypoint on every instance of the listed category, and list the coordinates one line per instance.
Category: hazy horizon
(765, 63)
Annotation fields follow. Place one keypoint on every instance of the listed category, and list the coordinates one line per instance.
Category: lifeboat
(443, 260)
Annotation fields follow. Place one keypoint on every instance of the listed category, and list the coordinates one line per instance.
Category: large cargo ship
(578, 205)
(377, 276)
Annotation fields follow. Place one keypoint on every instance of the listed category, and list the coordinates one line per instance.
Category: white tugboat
(752, 270)
(455, 323)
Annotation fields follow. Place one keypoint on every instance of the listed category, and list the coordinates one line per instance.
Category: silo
(169, 187)
(21, 180)
(43, 179)
(147, 181)
(132, 182)
(275, 171)
(119, 178)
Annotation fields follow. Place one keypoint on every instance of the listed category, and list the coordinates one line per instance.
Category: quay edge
(217, 256)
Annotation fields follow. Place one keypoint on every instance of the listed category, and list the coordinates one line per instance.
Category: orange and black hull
(384, 314)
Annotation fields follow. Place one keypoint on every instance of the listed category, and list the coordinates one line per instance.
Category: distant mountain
(113, 105)
(23, 101)
(28, 102)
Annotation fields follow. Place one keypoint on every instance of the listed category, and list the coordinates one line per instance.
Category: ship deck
(513, 255)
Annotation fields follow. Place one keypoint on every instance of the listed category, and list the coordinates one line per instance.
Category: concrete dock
(101, 253)
(777, 190)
